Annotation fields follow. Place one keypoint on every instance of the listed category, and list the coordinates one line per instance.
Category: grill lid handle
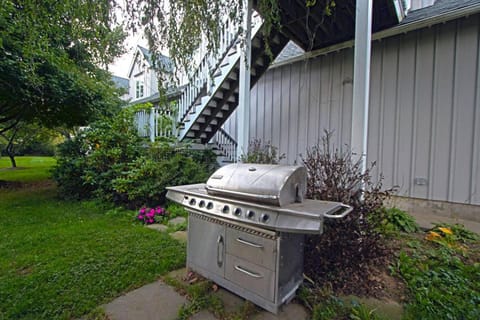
(340, 212)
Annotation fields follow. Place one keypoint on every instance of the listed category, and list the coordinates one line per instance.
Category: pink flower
(142, 210)
(140, 217)
(159, 211)
(150, 221)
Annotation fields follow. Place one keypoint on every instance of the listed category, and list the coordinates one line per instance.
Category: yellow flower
(432, 235)
(445, 230)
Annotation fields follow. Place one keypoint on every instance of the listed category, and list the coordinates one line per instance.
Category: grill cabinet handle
(220, 251)
(248, 243)
(249, 273)
(344, 210)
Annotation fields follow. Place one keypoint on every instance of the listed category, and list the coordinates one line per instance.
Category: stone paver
(177, 221)
(155, 301)
(231, 302)
(158, 227)
(179, 235)
(203, 315)
(288, 312)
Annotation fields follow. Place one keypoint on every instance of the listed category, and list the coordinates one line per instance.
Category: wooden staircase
(212, 93)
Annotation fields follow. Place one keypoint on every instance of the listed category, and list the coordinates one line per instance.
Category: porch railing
(155, 123)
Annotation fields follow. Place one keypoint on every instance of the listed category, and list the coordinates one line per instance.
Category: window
(139, 89)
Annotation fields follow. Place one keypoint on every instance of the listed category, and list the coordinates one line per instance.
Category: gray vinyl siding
(424, 119)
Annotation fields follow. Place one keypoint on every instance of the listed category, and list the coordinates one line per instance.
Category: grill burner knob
(201, 204)
(264, 218)
(238, 212)
(209, 205)
(250, 214)
(192, 202)
(226, 209)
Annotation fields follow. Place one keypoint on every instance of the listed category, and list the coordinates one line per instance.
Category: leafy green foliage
(61, 259)
(49, 71)
(325, 306)
(109, 161)
(441, 284)
(396, 220)
(176, 210)
(261, 153)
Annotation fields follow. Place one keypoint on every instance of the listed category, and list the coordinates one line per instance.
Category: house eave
(396, 30)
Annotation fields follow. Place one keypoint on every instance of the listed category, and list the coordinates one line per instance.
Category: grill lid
(277, 185)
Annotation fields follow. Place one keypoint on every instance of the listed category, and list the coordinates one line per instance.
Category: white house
(424, 103)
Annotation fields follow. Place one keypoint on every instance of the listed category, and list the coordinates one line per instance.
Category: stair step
(203, 135)
(225, 85)
(219, 115)
(232, 51)
(233, 76)
(190, 134)
(225, 63)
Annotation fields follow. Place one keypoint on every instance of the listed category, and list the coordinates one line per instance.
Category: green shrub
(145, 180)
(176, 210)
(261, 153)
(396, 220)
(109, 161)
(70, 167)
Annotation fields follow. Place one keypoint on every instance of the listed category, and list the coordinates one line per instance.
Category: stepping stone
(231, 302)
(203, 315)
(158, 227)
(288, 312)
(177, 221)
(155, 301)
(179, 235)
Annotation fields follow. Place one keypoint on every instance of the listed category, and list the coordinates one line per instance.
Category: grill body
(262, 266)
(246, 229)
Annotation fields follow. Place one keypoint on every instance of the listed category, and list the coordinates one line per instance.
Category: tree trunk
(10, 148)
(12, 160)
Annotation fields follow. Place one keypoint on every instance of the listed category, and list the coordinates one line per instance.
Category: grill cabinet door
(206, 246)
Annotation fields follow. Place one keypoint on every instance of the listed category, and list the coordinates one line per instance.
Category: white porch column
(361, 79)
(243, 111)
(152, 125)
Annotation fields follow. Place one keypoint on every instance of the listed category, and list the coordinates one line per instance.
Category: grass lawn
(28, 168)
(62, 259)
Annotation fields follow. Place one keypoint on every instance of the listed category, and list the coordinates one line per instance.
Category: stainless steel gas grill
(246, 229)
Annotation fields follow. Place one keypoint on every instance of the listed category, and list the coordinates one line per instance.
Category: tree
(51, 57)
(28, 138)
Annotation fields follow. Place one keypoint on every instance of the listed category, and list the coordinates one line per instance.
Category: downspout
(243, 111)
(361, 80)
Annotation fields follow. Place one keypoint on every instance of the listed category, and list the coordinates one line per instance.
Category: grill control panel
(230, 210)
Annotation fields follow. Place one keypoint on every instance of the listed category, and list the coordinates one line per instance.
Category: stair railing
(226, 144)
(199, 81)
